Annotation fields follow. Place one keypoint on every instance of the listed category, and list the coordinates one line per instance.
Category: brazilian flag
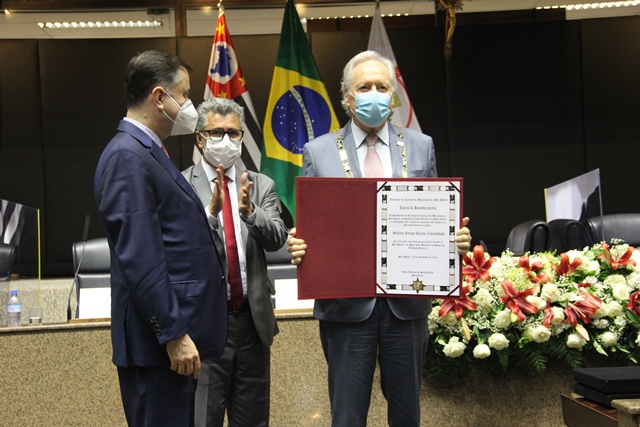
(298, 110)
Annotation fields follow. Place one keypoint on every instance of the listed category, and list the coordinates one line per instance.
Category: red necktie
(165, 150)
(372, 163)
(233, 262)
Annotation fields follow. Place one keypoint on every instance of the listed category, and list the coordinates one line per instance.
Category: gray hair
(221, 106)
(347, 73)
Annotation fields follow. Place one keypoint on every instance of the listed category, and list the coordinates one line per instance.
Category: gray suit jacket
(268, 233)
(322, 159)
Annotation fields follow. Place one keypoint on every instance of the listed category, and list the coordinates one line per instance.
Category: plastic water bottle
(14, 309)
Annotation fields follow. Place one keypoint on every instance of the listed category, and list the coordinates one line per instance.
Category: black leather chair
(568, 234)
(625, 226)
(529, 236)
(92, 262)
(7, 258)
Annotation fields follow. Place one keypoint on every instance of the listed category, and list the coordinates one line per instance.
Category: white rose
(633, 280)
(620, 291)
(450, 319)
(483, 298)
(615, 279)
(481, 351)
(599, 313)
(589, 266)
(500, 342)
(608, 339)
(502, 319)
(575, 341)
(549, 292)
(537, 301)
(454, 347)
(558, 315)
(613, 309)
(539, 334)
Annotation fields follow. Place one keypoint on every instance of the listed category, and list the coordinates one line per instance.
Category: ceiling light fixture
(599, 5)
(100, 24)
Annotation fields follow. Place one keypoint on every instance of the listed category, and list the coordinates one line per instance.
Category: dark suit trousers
(351, 350)
(238, 382)
(156, 396)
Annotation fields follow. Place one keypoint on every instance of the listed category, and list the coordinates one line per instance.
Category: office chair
(92, 262)
(625, 226)
(529, 236)
(7, 258)
(568, 234)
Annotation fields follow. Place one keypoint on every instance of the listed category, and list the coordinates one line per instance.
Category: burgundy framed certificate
(370, 237)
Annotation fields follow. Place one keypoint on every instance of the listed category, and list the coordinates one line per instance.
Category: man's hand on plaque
(463, 237)
(297, 247)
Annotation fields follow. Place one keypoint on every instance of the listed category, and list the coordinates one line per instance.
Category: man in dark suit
(168, 302)
(243, 210)
(356, 332)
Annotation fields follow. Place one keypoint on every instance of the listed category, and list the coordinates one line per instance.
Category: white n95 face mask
(186, 119)
(224, 151)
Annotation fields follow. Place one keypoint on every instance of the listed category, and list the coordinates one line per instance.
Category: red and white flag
(402, 108)
(225, 80)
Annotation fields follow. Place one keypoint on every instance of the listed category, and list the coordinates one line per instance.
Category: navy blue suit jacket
(166, 277)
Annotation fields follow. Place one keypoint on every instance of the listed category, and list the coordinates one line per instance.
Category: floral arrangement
(519, 314)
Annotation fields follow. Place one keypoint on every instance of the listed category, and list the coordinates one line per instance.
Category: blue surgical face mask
(372, 108)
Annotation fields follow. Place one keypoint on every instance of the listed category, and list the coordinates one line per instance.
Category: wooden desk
(580, 412)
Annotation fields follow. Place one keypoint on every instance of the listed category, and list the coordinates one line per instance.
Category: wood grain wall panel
(82, 102)
(611, 73)
(21, 158)
(519, 107)
(516, 120)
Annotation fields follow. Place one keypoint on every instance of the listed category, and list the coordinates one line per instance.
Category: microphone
(85, 236)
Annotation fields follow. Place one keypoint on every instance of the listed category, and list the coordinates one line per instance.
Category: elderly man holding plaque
(356, 332)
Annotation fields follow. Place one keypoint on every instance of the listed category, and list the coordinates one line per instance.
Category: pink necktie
(233, 261)
(372, 163)
(164, 149)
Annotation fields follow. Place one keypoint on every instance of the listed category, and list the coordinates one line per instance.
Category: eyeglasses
(217, 134)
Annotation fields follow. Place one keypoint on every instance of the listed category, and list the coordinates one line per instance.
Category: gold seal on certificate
(417, 285)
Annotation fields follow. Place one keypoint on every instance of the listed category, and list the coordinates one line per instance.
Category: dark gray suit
(343, 322)
(219, 384)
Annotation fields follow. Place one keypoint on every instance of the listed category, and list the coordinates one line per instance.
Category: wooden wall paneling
(516, 105)
(509, 113)
(21, 176)
(82, 102)
(611, 70)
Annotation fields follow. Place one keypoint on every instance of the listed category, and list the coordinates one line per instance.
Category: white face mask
(186, 119)
(224, 151)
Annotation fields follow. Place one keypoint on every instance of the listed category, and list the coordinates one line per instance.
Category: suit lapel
(201, 184)
(350, 148)
(161, 158)
(395, 151)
